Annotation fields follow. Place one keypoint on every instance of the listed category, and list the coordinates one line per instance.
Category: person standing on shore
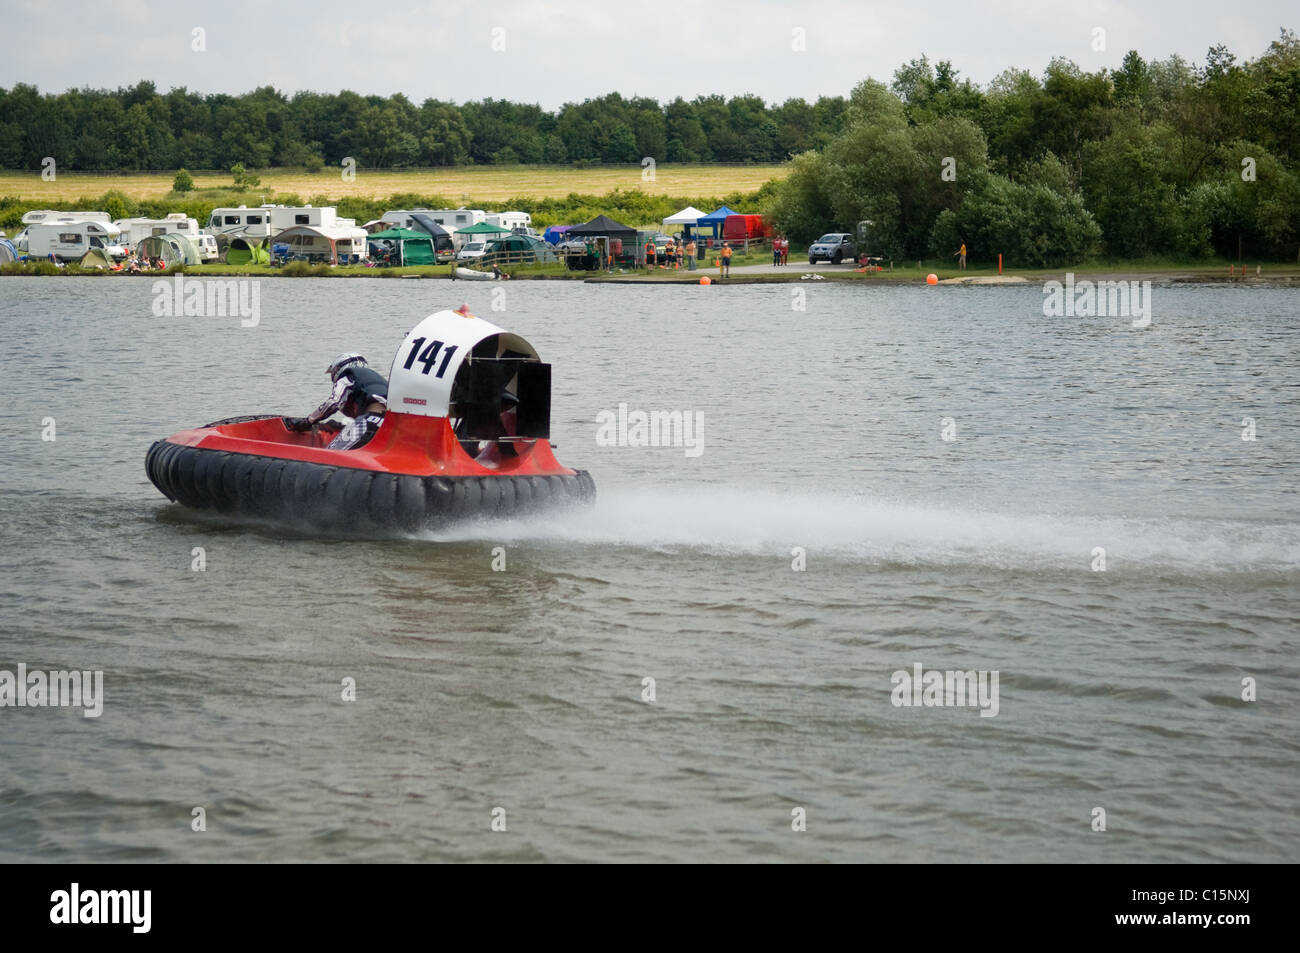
(961, 257)
(785, 250)
(690, 254)
(776, 251)
(726, 259)
(650, 253)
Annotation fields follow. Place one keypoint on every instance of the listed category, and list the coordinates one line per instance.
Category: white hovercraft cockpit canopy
(461, 367)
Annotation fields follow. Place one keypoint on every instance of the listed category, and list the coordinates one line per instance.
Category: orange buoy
(932, 279)
(706, 280)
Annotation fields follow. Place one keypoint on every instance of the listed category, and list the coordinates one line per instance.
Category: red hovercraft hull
(413, 474)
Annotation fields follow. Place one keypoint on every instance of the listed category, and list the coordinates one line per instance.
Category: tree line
(139, 128)
(1154, 159)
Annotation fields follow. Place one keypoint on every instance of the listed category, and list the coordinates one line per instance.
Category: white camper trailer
(68, 241)
(519, 222)
(136, 230)
(452, 219)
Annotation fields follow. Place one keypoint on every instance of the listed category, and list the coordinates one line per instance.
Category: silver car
(833, 247)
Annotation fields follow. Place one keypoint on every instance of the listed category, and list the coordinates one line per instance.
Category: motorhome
(43, 216)
(245, 222)
(68, 241)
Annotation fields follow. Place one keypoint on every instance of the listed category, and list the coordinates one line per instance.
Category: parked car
(834, 247)
(472, 251)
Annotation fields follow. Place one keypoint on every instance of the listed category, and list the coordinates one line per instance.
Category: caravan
(520, 223)
(136, 230)
(451, 219)
(68, 241)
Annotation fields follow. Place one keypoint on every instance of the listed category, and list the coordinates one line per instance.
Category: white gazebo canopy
(687, 216)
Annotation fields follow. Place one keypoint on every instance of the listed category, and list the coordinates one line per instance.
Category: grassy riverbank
(1160, 273)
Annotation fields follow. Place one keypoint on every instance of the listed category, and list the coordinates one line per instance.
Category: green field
(481, 184)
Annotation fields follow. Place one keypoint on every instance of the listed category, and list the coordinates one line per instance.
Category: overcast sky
(556, 52)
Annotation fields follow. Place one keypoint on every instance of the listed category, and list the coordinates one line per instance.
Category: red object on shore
(739, 228)
(999, 263)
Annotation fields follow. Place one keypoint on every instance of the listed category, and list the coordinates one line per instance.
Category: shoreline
(1281, 275)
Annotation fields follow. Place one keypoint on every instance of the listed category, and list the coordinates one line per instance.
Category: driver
(359, 392)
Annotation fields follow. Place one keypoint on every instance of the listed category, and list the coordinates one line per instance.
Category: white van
(207, 246)
(68, 241)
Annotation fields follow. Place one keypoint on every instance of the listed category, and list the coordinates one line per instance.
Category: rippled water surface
(523, 689)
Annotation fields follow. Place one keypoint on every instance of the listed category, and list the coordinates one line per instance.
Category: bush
(244, 180)
(314, 164)
(1032, 225)
(41, 267)
(183, 182)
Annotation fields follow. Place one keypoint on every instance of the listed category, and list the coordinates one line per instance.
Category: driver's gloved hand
(331, 426)
(298, 424)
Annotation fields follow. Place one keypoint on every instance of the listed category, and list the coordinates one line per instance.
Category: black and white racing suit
(355, 390)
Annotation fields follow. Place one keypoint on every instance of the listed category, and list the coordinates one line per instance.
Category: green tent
(95, 258)
(519, 249)
(157, 246)
(185, 246)
(415, 248)
(482, 228)
(172, 248)
(245, 252)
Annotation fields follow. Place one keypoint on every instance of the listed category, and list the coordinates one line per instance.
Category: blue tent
(714, 220)
(7, 251)
(555, 234)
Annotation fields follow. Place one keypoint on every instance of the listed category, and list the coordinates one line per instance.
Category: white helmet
(341, 362)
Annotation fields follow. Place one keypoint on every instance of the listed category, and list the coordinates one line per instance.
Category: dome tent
(244, 251)
(95, 258)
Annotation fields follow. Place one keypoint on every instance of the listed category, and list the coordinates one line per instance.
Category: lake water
(827, 537)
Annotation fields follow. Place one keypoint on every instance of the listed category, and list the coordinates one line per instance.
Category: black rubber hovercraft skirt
(339, 498)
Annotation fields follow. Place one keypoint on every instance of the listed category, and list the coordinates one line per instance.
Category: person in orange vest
(960, 255)
(650, 253)
(726, 259)
(691, 254)
(669, 254)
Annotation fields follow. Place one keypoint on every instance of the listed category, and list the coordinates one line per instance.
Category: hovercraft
(466, 434)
